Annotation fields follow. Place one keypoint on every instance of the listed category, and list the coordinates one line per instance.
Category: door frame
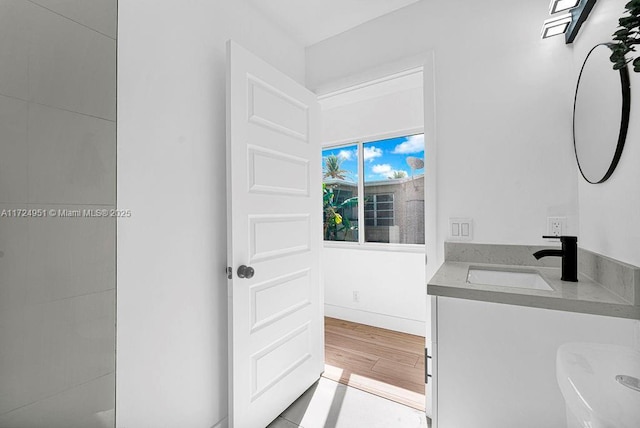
(426, 64)
(434, 253)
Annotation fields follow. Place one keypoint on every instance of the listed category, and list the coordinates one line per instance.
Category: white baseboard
(404, 325)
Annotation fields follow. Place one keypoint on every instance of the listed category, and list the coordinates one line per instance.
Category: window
(340, 193)
(390, 175)
(378, 210)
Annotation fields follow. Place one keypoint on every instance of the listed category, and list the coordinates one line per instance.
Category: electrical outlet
(356, 296)
(556, 226)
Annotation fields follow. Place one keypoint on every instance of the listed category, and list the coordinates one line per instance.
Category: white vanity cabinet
(493, 365)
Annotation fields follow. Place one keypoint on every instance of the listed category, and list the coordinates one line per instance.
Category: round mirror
(600, 115)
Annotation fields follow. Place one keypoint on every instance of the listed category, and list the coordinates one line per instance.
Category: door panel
(275, 109)
(277, 173)
(275, 299)
(276, 236)
(274, 204)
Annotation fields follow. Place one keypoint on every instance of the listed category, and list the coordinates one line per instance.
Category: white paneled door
(274, 211)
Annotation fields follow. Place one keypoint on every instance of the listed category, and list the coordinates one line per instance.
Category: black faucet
(569, 254)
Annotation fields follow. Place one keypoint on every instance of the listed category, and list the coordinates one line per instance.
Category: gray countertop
(585, 296)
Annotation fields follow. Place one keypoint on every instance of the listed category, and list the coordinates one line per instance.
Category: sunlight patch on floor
(376, 387)
(329, 404)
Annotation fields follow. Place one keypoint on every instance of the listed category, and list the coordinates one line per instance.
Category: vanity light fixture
(556, 25)
(560, 5)
(568, 23)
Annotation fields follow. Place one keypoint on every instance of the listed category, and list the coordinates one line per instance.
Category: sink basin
(507, 278)
(589, 376)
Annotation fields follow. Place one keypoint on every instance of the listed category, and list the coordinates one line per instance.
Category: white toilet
(600, 385)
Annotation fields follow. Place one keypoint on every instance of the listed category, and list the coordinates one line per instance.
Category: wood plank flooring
(383, 362)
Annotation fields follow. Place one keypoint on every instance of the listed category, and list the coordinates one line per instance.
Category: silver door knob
(245, 272)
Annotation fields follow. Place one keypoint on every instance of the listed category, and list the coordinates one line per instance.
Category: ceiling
(310, 21)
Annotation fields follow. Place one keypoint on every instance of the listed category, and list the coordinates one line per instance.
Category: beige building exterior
(393, 211)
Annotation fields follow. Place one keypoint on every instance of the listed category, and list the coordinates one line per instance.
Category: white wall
(503, 108)
(609, 211)
(390, 284)
(398, 111)
(391, 287)
(57, 152)
(504, 158)
(172, 300)
(504, 101)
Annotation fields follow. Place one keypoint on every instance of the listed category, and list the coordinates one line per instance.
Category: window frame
(361, 243)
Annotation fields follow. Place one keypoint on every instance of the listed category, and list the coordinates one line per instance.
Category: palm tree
(333, 168)
(398, 174)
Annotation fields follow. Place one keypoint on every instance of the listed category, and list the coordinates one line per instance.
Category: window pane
(394, 190)
(340, 188)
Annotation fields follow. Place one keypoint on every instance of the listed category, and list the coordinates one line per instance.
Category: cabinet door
(430, 360)
(496, 363)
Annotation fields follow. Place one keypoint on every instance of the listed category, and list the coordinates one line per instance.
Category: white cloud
(346, 154)
(413, 144)
(370, 153)
(385, 171)
(382, 169)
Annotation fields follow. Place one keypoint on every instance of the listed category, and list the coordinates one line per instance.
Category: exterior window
(378, 210)
(391, 173)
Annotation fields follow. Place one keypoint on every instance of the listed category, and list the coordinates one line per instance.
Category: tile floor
(329, 404)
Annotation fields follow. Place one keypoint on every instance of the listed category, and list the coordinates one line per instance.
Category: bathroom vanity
(493, 347)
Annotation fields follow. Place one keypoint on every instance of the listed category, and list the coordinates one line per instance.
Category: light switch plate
(460, 229)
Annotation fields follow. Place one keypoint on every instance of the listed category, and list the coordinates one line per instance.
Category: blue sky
(381, 158)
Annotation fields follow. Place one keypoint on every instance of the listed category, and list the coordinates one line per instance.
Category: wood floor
(383, 362)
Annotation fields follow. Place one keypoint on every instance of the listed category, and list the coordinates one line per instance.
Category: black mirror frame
(624, 120)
